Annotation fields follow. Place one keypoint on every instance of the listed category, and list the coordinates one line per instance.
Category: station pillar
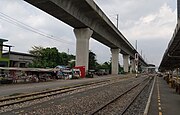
(126, 63)
(115, 61)
(82, 46)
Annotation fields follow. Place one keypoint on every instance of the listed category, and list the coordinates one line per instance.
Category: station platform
(165, 100)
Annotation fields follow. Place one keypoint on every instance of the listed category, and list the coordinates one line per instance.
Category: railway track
(126, 107)
(7, 101)
(135, 97)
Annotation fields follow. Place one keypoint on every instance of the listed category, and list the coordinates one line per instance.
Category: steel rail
(38, 95)
(48, 93)
(132, 101)
(115, 99)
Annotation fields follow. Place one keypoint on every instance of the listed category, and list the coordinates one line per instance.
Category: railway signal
(136, 63)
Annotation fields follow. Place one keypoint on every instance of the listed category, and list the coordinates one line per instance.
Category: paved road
(6, 90)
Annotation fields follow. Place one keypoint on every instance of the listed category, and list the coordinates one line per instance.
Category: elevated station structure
(88, 20)
(171, 58)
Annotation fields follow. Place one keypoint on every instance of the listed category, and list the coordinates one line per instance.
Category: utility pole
(136, 60)
(68, 51)
(117, 19)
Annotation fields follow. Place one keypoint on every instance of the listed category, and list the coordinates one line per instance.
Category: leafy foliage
(36, 50)
(92, 60)
(49, 57)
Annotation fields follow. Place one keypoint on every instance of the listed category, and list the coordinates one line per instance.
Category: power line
(24, 26)
(29, 28)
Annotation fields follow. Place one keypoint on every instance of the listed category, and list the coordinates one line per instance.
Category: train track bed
(122, 103)
(139, 104)
(82, 102)
(16, 102)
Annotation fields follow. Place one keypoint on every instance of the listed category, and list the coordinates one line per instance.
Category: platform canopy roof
(3, 40)
(171, 58)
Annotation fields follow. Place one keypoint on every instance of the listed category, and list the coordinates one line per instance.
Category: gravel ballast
(81, 102)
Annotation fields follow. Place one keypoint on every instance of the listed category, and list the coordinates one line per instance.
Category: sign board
(136, 57)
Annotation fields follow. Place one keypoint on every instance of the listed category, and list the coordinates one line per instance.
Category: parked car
(101, 72)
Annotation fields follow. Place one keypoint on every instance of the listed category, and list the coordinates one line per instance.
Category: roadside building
(18, 59)
(4, 61)
(150, 69)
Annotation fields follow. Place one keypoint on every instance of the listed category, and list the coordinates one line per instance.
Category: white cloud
(146, 21)
(23, 39)
(156, 25)
(103, 52)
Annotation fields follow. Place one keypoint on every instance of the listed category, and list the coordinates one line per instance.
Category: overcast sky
(150, 22)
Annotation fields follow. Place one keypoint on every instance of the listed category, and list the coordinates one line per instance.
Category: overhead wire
(29, 28)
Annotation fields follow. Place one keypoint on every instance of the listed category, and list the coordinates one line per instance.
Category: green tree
(106, 66)
(36, 50)
(64, 58)
(49, 57)
(92, 60)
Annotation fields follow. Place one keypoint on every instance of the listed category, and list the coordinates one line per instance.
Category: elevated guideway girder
(83, 14)
(86, 14)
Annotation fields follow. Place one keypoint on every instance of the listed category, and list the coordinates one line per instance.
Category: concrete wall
(21, 58)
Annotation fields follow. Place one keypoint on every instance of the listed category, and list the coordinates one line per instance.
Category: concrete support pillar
(115, 61)
(126, 63)
(82, 46)
(132, 65)
(1, 49)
